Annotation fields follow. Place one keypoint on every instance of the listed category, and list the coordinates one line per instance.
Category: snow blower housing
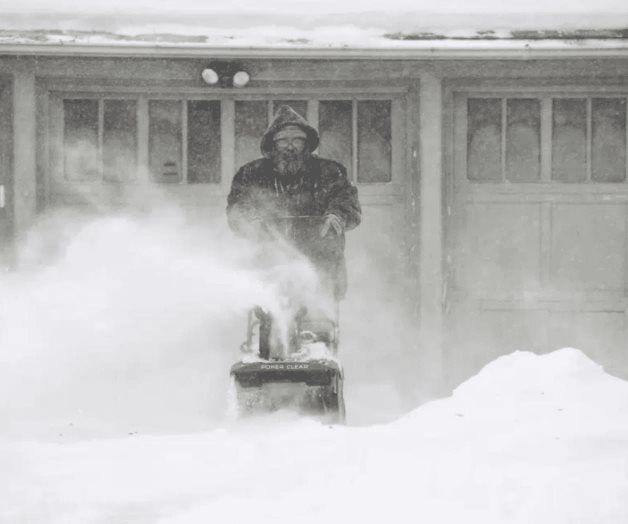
(311, 388)
(312, 373)
(308, 379)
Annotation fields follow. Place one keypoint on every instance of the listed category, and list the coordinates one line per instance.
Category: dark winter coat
(322, 188)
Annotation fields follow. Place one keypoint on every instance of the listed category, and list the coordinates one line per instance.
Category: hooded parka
(321, 188)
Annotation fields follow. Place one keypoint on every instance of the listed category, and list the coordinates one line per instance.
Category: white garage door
(537, 242)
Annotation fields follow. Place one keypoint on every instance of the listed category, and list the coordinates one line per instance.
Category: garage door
(537, 242)
(116, 148)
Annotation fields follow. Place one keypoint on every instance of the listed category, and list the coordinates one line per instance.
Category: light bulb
(241, 78)
(210, 76)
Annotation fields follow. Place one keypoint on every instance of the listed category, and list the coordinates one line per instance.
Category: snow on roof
(188, 32)
(315, 7)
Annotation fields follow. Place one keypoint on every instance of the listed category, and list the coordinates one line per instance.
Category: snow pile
(540, 439)
(549, 396)
(563, 392)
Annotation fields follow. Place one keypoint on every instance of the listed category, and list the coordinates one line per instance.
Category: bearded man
(291, 181)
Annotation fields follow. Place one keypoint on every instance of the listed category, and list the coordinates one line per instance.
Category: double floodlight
(225, 74)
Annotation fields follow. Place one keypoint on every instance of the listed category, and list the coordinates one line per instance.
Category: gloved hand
(334, 222)
(256, 229)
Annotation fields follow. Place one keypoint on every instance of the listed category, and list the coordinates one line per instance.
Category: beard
(288, 163)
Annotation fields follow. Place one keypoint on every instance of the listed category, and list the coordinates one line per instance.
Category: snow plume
(125, 323)
(122, 324)
(386, 374)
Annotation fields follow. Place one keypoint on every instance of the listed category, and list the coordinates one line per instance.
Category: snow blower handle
(289, 227)
(325, 225)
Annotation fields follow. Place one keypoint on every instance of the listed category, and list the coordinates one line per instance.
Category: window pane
(523, 134)
(251, 120)
(336, 131)
(569, 139)
(374, 141)
(484, 139)
(300, 106)
(120, 140)
(204, 142)
(164, 132)
(608, 148)
(4, 174)
(80, 140)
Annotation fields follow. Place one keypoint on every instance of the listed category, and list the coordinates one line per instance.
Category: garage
(491, 168)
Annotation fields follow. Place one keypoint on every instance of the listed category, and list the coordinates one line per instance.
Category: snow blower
(290, 357)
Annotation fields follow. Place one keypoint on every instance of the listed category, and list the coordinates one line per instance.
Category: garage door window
(165, 150)
(358, 134)
(484, 139)
(174, 140)
(102, 138)
(203, 142)
(560, 139)
(608, 139)
(374, 141)
(523, 140)
(119, 146)
(335, 123)
(569, 139)
(81, 139)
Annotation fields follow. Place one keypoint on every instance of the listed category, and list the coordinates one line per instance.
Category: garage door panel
(373, 249)
(588, 247)
(546, 239)
(482, 335)
(499, 249)
(600, 334)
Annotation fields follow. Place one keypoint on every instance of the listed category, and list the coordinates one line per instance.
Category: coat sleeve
(343, 197)
(240, 202)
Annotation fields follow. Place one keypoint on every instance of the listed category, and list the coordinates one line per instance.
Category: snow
(531, 438)
(326, 41)
(113, 406)
(307, 24)
(116, 337)
(127, 322)
(323, 6)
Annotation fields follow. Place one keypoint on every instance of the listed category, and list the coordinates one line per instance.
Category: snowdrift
(531, 438)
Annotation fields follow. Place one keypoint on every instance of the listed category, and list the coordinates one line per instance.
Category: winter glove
(256, 229)
(334, 222)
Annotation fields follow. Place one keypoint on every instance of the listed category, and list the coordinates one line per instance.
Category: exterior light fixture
(225, 74)
(241, 78)
(210, 77)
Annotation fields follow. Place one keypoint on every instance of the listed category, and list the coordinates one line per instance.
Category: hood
(284, 116)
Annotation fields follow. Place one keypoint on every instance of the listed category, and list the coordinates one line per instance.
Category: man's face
(289, 150)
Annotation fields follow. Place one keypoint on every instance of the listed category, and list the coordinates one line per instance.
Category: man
(290, 181)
